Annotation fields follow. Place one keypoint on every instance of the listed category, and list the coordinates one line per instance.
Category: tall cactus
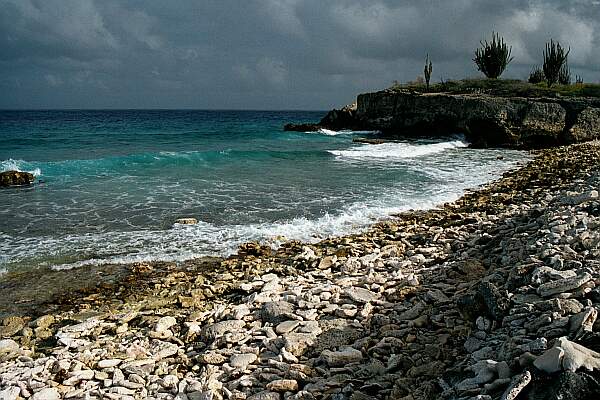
(555, 57)
(564, 75)
(492, 58)
(427, 71)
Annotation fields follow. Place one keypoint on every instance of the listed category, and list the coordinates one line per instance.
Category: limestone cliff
(486, 120)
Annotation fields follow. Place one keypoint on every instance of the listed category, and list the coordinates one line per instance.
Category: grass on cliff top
(503, 88)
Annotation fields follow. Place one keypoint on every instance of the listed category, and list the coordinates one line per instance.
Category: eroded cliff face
(485, 120)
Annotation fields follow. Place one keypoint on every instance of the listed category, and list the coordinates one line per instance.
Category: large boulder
(15, 178)
(586, 126)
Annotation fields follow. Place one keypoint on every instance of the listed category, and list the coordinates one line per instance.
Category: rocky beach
(493, 296)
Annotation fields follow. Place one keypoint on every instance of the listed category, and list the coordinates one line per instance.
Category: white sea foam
(18, 165)
(330, 132)
(396, 150)
(188, 242)
(184, 242)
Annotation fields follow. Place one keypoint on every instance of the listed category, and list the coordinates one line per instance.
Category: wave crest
(397, 150)
(330, 132)
(19, 165)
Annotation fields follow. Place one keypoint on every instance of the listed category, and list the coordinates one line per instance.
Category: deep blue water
(113, 182)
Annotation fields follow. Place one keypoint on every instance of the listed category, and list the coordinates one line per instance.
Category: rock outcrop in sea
(15, 178)
(494, 296)
(486, 120)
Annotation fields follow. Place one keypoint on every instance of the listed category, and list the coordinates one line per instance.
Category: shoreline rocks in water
(16, 178)
(186, 221)
(344, 118)
(493, 296)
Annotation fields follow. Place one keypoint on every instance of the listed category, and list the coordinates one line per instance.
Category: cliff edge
(486, 120)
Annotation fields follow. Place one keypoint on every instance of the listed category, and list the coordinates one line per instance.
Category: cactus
(564, 75)
(536, 75)
(554, 59)
(492, 58)
(427, 71)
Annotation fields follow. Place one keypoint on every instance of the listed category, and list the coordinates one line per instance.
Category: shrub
(536, 75)
(427, 70)
(492, 58)
(554, 58)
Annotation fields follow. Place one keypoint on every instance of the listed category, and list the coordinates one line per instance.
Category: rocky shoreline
(492, 296)
(486, 120)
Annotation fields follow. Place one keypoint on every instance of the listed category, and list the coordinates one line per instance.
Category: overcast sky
(265, 54)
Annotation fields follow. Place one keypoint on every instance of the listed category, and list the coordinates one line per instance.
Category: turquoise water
(112, 183)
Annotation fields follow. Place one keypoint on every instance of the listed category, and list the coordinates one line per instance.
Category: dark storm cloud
(264, 53)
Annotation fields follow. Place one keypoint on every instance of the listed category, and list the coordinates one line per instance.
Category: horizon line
(161, 109)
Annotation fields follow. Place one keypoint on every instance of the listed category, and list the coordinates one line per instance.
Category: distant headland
(544, 111)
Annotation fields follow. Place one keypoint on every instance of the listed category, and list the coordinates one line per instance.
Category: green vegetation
(492, 58)
(502, 88)
(427, 71)
(536, 75)
(553, 79)
(555, 58)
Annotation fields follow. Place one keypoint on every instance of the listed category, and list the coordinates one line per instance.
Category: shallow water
(113, 183)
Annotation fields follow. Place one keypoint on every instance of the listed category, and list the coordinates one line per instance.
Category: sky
(266, 54)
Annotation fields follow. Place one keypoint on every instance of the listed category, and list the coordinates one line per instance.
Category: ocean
(112, 183)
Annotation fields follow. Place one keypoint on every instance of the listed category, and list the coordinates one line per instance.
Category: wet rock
(186, 221)
(301, 127)
(15, 178)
